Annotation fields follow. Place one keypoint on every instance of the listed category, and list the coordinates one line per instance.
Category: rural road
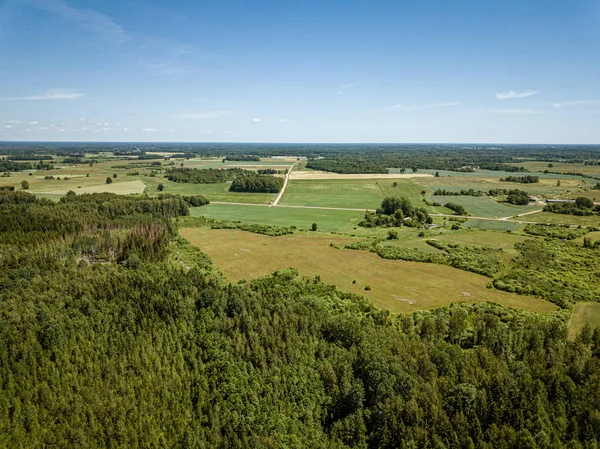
(287, 178)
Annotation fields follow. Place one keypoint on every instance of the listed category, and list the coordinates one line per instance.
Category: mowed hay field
(584, 313)
(395, 285)
(326, 220)
(352, 193)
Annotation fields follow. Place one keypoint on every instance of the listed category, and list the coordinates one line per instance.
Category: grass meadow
(395, 285)
(327, 220)
(584, 313)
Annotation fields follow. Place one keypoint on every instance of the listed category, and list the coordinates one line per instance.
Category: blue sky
(300, 71)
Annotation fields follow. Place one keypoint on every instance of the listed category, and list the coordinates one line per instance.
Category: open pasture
(547, 186)
(573, 220)
(327, 220)
(562, 167)
(483, 206)
(353, 193)
(395, 285)
(494, 225)
(584, 313)
(120, 188)
(214, 192)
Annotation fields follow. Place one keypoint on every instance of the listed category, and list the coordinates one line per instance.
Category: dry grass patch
(396, 285)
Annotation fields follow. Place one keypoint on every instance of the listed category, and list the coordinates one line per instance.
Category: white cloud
(414, 107)
(347, 86)
(149, 130)
(33, 123)
(564, 104)
(92, 20)
(165, 68)
(514, 111)
(283, 120)
(8, 127)
(511, 94)
(202, 115)
(256, 120)
(11, 122)
(53, 94)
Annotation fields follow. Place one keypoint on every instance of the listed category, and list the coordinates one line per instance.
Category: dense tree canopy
(116, 332)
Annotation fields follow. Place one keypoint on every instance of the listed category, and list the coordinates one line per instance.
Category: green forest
(115, 332)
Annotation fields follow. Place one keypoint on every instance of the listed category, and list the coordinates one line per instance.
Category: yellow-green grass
(277, 163)
(214, 192)
(326, 220)
(494, 239)
(549, 217)
(583, 313)
(495, 225)
(396, 285)
(120, 188)
(594, 195)
(562, 167)
(483, 206)
(353, 193)
(547, 185)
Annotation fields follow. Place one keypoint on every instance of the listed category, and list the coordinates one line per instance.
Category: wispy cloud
(283, 120)
(514, 111)
(512, 94)
(564, 104)
(347, 86)
(256, 120)
(53, 94)
(402, 107)
(97, 22)
(149, 130)
(201, 115)
(165, 68)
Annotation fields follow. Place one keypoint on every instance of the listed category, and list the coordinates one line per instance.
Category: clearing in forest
(396, 285)
(584, 313)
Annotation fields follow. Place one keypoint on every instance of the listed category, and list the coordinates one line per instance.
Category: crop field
(327, 220)
(355, 193)
(584, 313)
(395, 285)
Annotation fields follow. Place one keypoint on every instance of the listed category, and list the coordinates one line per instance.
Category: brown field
(396, 285)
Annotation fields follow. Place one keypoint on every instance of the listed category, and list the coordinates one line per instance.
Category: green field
(395, 285)
(352, 193)
(584, 313)
(327, 220)
(562, 167)
(214, 192)
(494, 225)
(549, 217)
(483, 206)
